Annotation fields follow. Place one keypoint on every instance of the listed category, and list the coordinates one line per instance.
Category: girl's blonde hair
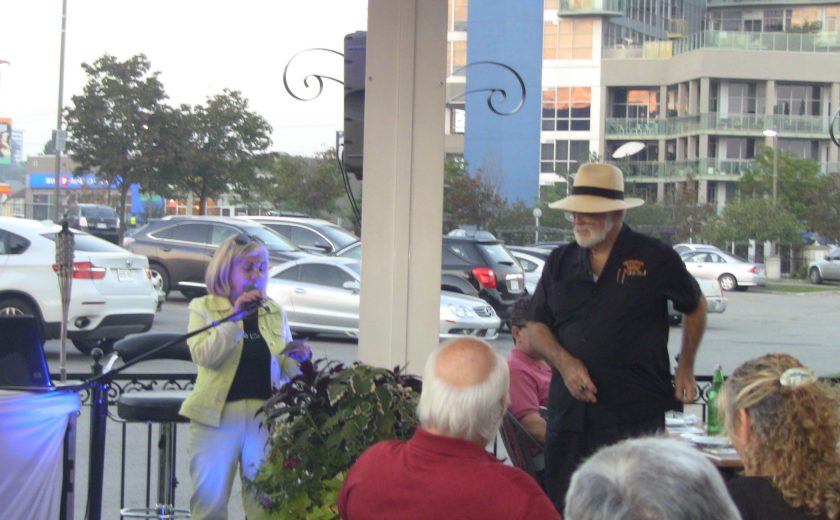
(795, 430)
(217, 276)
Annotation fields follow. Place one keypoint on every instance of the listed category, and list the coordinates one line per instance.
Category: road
(754, 324)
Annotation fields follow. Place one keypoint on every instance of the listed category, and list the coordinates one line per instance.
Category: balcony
(654, 171)
(698, 169)
(823, 42)
(751, 125)
(591, 8)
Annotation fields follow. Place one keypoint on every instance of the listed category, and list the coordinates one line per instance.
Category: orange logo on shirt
(631, 268)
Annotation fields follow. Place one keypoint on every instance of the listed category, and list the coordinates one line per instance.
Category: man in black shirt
(599, 317)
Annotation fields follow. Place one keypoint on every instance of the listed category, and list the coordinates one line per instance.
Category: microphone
(259, 303)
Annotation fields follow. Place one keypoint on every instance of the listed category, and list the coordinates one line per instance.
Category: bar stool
(156, 406)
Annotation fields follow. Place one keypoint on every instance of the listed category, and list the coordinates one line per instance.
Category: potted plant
(320, 423)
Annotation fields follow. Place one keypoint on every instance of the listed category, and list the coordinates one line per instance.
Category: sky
(200, 47)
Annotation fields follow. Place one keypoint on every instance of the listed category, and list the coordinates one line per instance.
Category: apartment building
(701, 84)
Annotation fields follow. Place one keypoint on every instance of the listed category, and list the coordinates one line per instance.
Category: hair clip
(797, 376)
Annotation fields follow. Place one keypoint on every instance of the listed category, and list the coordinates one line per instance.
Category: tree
(823, 208)
(796, 178)
(110, 123)
(468, 199)
(224, 149)
(294, 183)
(754, 218)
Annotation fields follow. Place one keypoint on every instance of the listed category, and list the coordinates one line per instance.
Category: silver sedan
(733, 273)
(321, 296)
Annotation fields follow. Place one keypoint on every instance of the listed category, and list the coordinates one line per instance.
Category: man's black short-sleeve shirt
(617, 326)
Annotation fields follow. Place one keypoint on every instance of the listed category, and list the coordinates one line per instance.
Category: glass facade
(566, 108)
(567, 39)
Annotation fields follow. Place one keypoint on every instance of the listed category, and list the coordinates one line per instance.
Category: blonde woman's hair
(795, 430)
(217, 276)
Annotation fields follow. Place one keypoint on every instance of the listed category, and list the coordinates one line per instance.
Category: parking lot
(755, 323)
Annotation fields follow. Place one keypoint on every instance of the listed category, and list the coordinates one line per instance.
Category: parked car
(733, 272)
(683, 248)
(454, 282)
(474, 267)
(549, 245)
(180, 248)
(716, 302)
(310, 234)
(321, 296)
(112, 291)
(97, 219)
(532, 260)
(827, 269)
(488, 267)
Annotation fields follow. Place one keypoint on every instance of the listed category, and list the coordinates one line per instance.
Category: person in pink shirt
(530, 376)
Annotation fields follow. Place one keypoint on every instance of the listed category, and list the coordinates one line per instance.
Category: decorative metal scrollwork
(319, 78)
(498, 95)
(834, 119)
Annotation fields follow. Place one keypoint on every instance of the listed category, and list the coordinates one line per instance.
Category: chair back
(132, 346)
(521, 446)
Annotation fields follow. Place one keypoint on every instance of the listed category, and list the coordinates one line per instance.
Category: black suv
(97, 219)
(179, 248)
(488, 267)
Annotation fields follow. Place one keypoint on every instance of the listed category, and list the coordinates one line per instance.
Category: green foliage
(468, 199)
(295, 183)
(222, 146)
(320, 423)
(822, 213)
(514, 223)
(112, 124)
(797, 178)
(754, 218)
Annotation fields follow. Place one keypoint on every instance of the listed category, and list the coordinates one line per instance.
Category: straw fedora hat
(598, 188)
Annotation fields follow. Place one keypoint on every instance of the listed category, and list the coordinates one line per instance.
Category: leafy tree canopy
(796, 179)
(110, 122)
(822, 213)
(753, 218)
(224, 149)
(468, 199)
(310, 185)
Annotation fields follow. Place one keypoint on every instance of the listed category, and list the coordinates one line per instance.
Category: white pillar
(403, 181)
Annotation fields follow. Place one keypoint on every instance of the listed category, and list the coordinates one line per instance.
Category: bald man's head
(465, 390)
(465, 362)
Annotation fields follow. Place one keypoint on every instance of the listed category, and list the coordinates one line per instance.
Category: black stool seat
(152, 406)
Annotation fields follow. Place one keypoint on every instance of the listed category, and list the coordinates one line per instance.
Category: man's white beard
(595, 237)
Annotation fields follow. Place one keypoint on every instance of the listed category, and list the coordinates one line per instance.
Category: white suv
(112, 294)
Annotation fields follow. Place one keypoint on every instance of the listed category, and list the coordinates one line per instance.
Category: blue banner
(67, 180)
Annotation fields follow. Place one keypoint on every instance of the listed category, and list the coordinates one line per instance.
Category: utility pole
(59, 139)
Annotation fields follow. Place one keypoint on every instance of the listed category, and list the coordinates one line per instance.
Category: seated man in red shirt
(444, 470)
(530, 376)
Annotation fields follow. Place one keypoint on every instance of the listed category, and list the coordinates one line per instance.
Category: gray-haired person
(649, 478)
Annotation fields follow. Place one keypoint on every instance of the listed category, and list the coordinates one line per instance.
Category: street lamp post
(537, 214)
(771, 132)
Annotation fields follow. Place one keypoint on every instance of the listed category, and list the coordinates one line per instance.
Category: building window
(636, 104)
(458, 15)
(566, 108)
(743, 98)
(797, 100)
(739, 147)
(567, 40)
(563, 156)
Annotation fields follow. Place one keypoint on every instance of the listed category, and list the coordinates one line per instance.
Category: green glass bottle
(713, 423)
